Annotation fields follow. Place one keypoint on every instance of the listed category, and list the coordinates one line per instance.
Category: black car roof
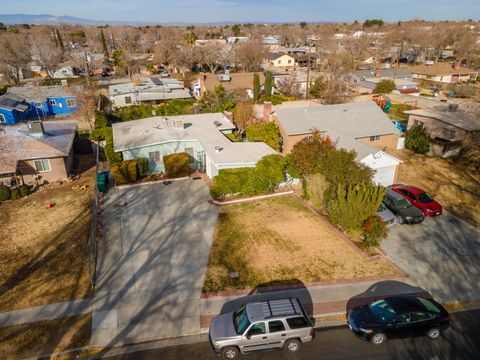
(393, 195)
(403, 304)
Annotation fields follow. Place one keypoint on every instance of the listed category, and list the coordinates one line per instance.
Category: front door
(255, 338)
(401, 326)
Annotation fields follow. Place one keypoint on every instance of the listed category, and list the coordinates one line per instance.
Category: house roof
(13, 102)
(152, 89)
(467, 120)
(238, 81)
(17, 144)
(274, 56)
(204, 128)
(384, 73)
(440, 69)
(38, 93)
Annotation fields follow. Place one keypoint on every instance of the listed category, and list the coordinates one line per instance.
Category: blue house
(42, 101)
(13, 108)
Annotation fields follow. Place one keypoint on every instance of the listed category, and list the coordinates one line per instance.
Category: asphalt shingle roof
(38, 93)
(466, 120)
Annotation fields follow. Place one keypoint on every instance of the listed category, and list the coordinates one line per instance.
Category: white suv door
(255, 338)
(277, 333)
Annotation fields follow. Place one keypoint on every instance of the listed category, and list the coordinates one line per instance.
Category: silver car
(261, 326)
(387, 216)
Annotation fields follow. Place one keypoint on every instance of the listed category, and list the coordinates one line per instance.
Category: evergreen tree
(58, 39)
(256, 87)
(268, 85)
(104, 45)
(417, 139)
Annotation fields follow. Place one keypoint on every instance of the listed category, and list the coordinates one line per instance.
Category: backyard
(255, 240)
(450, 184)
(44, 250)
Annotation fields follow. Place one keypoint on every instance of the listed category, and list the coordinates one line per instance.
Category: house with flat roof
(369, 79)
(239, 82)
(449, 126)
(151, 90)
(202, 136)
(37, 150)
(36, 102)
(362, 127)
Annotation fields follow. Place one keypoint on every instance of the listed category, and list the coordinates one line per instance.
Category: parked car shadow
(383, 289)
(274, 291)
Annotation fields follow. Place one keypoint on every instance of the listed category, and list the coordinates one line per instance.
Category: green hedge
(249, 181)
(125, 172)
(5, 193)
(267, 133)
(177, 165)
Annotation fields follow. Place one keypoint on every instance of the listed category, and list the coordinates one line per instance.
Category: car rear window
(429, 305)
(297, 322)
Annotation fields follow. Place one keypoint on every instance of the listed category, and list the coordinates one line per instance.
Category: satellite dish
(377, 155)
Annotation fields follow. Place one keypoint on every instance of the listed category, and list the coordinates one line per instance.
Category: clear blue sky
(197, 11)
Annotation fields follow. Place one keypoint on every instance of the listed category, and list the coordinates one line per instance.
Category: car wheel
(292, 345)
(400, 219)
(378, 338)
(433, 333)
(230, 352)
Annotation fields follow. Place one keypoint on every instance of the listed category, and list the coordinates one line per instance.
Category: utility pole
(398, 62)
(308, 72)
(87, 67)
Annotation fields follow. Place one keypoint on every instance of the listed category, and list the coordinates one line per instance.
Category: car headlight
(408, 217)
(216, 345)
(429, 210)
(366, 331)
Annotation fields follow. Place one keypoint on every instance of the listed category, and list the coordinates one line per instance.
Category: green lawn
(397, 112)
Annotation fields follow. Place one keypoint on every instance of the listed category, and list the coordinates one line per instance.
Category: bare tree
(243, 116)
(48, 56)
(184, 59)
(15, 54)
(250, 55)
(211, 56)
(289, 86)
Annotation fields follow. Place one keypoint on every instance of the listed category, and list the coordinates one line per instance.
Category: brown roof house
(443, 73)
(37, 150)
(242, 82)
(449, 126)
(362, 127)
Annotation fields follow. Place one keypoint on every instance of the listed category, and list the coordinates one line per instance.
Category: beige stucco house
(443, 73)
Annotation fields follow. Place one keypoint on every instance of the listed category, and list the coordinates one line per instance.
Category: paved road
(441, 255)
(151, 262)
(459, 342)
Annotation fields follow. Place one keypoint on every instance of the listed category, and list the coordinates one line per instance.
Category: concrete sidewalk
(46, 312)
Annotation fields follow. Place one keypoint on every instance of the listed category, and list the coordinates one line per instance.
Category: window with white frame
(374, 138)
(42, 165)
(2, 119)
(52, 102)
(71, 103)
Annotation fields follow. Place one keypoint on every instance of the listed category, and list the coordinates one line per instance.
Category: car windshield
(424, 198)
(382, 311)
(402, 204)
(240, 320)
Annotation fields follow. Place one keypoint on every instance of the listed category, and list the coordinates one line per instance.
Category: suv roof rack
(274, 308)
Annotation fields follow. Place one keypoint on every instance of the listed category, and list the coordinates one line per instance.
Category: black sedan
(399, 316)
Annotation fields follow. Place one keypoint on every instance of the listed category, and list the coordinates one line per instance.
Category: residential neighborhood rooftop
(16, 143)
(441, 69)
(204, 128)
(467, 120)
(13, 101)
(152, 88)
(33, 93)
(384, 73)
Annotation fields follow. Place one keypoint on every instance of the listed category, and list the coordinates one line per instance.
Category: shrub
(234, 136)
(267, 133)
(272, 168)
(24, 190)
(142, 167)
(125, 172)
(417, 139)
(385, 86)
(353, 205)
(230, 181)
(5, 193)
(304, 156)
(112, 156)
(317, 184)
(16, 194)
(177, 165)
(374, 230)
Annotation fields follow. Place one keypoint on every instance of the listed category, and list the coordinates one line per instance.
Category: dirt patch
(45, 337)
(280, 241)
(44, 251)
(447, 182)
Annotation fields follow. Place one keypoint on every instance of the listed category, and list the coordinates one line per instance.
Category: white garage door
(384, 175)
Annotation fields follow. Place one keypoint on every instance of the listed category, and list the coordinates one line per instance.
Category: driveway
(441, 255)
(151, 262)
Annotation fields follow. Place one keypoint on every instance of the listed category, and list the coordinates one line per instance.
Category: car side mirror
(248, 336)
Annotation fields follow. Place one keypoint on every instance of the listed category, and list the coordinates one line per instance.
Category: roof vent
(217, 123)
(218, 148)
(345, 110)
(35, 128)
(452, 107)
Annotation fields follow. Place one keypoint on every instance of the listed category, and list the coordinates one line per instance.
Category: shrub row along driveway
(441, 255)
(151, 262)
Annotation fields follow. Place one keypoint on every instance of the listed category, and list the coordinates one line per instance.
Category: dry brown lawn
(279, 241)
(457, 190)
(44, 251)
(45, 337)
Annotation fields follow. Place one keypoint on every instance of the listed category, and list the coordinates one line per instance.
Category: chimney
(228, 115)
(267, 110)
(456, 66)
(35, 128)
(378, 73)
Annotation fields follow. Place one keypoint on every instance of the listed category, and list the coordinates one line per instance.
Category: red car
(420, 199)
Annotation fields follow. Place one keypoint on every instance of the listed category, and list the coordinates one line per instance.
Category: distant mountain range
(46, 19)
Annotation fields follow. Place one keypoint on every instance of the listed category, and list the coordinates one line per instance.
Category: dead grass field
(45, 337)
(279, 241)
(44, 251)
(448, 183)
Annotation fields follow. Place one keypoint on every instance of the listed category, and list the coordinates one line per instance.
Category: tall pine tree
(268, 85)
(58, 39)
(104, 46)
(256, 87)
